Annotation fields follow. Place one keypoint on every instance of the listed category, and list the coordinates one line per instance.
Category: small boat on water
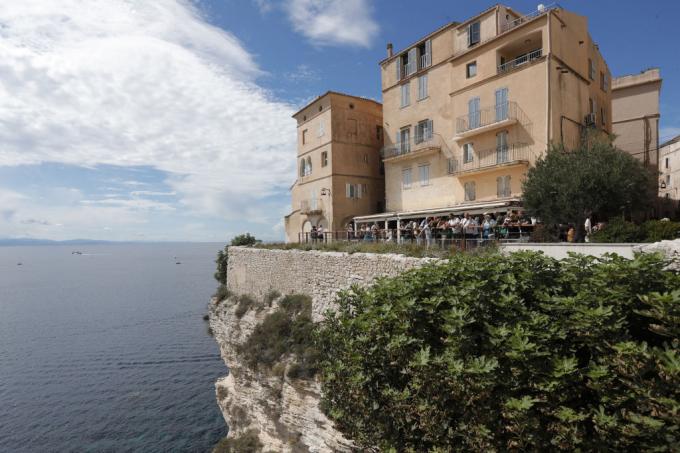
(178, 262)
(76, 252)
(20, 264)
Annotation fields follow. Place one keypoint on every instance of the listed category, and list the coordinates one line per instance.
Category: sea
(107, 351)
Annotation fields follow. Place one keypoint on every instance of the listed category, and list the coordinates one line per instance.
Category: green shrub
(518, 352)
(270, 297)
(244, 239)
(619, 230)
(249, 442)
(656, 230)
(287, 333)
(222, 293)
(545, 233)
(245, 303)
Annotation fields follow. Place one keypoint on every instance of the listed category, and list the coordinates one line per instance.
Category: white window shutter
(348, 190)
(428, 52)
(412, 61)
(430, 129)
(359, 191)
(398, 64)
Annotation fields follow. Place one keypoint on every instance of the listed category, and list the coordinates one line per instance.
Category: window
(424, 171)
(302, 167)
(668, 181)
(503, 186)
(405, 94)
(502, 151)
(423, 131)
(379, 133)
(667, 162)
(364, 189)
(468, 151)
(452, 165)
(304, 136)
(471, 69)
(470, 191)
(501, 104)
(404, 139)
(353, 190)
(603, 119)
(425, 54)
(473, 34)
(412, 63)
(474, 113)
(320, 131)
(351, 106)
(591, 69)
(324, 158)
(406, 178)
(606, 82)
(308, 166)
(305, 166)
(422, 87)
(320, 108)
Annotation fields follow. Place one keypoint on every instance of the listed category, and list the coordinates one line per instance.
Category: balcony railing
(311, 206)
(419, 142)
(519, 61)
(514, 153)
(488, 116)
(532, 15)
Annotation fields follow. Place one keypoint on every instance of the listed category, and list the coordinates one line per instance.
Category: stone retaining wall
(320, 275)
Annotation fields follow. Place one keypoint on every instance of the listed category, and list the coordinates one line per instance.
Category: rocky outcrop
(284, 412)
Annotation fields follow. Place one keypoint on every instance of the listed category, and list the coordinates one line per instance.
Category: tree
(508, 353)
(244, 239)
(222, 259)
(597, 180)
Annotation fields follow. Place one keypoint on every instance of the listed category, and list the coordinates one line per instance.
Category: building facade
(468, 108)
(669, 177)
(635, 115)
(339, 171)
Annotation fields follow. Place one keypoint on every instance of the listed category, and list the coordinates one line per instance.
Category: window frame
(474, 32)
(404, 184)
(422, 87)
(405, 91)
(468, 152)
(424, 168)
(470, 188)
(472, 64)
(324, 158)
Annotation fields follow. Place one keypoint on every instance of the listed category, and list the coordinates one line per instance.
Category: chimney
(389, 49)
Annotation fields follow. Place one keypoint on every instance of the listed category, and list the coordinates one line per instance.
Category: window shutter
(428, 52)
(499, 186)
(398, 63)
(430, 129)
(412, 61)
(359, 191)
(348, 190)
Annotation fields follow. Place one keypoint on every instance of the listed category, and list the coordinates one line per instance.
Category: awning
(470, 208)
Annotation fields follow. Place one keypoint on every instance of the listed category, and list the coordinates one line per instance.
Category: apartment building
(469, 107)
(635, 115)
(669, 177)
(338, 164)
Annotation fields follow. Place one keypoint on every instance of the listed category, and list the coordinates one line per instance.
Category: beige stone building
(469, 107)
(635, 115)
(669, 177)
(339, 171)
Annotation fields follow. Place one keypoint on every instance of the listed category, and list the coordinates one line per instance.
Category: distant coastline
(8, 242)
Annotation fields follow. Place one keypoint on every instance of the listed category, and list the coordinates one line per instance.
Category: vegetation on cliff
(518, 352)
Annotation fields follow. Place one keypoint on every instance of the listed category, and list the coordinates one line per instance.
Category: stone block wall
(320, 275)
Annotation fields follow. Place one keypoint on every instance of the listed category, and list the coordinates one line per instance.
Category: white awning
(470, 208)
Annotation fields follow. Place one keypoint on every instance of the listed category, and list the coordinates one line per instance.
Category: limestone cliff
(284, 412)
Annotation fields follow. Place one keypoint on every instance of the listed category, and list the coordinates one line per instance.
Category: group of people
(430, 229)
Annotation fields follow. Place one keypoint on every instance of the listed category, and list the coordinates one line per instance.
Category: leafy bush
(518, 352)
(249, 442)
(656, 230)
(287, 332)
(270, 297)
(245, 303)
(244, 239)
(222, 293)
(545, 233)
(619, 230)
(222, 261)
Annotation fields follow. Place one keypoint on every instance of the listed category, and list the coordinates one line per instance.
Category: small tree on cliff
(596, 180)
(223, 255)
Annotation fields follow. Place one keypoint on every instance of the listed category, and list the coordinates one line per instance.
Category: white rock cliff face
(285, 412)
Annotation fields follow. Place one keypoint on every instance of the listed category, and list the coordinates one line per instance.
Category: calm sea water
(108, 351)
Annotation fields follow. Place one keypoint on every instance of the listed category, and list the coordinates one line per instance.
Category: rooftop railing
(532, 15)
(513, 153)
(520, 61)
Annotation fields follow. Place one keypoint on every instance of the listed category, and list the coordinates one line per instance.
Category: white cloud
(303, 73)
(330, 22)
(91, 82)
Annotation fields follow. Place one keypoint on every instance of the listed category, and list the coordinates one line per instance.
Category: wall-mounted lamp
(325, 191)
(663, 185)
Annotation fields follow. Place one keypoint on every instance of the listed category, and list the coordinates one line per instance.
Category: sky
(170, 120)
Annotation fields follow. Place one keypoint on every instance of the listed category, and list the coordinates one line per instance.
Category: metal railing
(519, 61)
(532, 15)
(516, 152)
(311, 206)
(489, 115)
(417, 142)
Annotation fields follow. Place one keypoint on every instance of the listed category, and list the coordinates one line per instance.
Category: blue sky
(168, 120)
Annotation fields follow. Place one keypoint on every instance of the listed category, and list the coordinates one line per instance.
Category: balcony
(419, 144)
(490, 159)
(520, 61)
(311, 206)
(488, 119)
